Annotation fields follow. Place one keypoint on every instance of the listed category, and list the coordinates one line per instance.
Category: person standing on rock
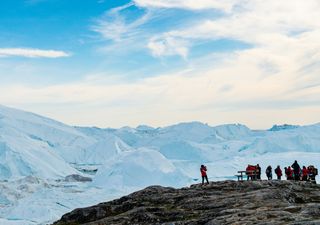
(296, 170)
(289, 173)
(304, 173)
(258, 169)
(203, 170)
(286, 172)
(269, 172)
(278, 171)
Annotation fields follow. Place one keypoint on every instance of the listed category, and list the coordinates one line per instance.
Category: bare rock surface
(225, 202)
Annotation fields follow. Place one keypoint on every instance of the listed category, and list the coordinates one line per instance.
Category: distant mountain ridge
(23, 134)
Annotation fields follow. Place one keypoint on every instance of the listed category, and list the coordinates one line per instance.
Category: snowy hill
(138, 169)
(38, 146)
(30, 144)
(37, 153)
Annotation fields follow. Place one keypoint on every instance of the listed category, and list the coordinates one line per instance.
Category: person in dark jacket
(286, 172)
(296, 170)
(278, 172)
(203, 170)
(258, 168)
(269, 172)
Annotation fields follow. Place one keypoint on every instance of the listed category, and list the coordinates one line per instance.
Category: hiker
(312, 173)
(289, 173)
(258, 168)
(286, 171)
(203, 170)
(296, 170)
(278, 172)
(269, 172)
(304, 173)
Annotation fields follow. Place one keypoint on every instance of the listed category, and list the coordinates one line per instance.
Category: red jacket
(203, 171)
(278, 171)
(289, 172)
(305, 172)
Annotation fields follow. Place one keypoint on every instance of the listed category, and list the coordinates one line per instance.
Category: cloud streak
(32, 53)
(224, 5)
(113, 25)
(168, 46)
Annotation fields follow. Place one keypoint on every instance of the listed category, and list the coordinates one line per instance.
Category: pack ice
(38, 153)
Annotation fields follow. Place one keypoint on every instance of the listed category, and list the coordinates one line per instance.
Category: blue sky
(116, 63)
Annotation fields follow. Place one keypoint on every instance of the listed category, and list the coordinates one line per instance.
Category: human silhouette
(203, 170)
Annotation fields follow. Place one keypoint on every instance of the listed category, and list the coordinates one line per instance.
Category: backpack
(314, 170)
(268, 171)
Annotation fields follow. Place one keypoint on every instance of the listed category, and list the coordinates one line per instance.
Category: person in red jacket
(304, 173)
(278, 172)
(203, 170)
(289, 173)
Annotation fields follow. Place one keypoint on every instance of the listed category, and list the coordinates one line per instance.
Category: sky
(114, 63)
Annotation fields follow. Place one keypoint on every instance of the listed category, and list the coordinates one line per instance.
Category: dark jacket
(296, 168)
(269, 171)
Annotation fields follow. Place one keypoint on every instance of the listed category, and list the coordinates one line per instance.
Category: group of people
(293, 172)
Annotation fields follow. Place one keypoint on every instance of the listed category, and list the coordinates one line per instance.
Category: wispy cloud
(32, 53)
(144, 33)
(114, 26)
(272, 70)
(224, 5)
(168, 46)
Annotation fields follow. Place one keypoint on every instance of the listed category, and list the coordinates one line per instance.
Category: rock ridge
(224, 202)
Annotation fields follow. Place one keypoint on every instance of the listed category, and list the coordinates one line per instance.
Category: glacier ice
(37, 153)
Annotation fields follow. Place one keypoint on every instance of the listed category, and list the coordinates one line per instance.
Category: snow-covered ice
(37, 153)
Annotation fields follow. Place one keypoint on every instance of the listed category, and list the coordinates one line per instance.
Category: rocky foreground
(226, 202)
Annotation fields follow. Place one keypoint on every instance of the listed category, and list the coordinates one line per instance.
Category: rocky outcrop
(226, 202)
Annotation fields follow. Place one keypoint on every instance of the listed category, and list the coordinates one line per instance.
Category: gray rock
(225, 202)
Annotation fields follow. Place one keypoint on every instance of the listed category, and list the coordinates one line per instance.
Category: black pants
(279, 177)
(205, 177)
